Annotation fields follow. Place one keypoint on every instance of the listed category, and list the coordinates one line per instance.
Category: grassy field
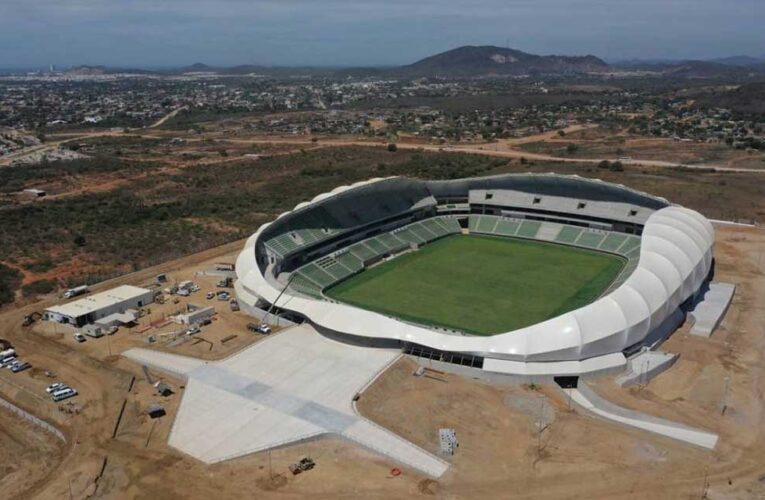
(482, 284)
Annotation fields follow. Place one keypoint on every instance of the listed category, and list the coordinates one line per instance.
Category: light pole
(724, 403)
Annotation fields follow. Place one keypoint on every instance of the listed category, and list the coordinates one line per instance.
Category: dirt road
(171, 114)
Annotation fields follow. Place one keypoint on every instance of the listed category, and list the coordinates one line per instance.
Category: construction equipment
(305, 464)
(225, 283)
(31, 318)
(448, 440)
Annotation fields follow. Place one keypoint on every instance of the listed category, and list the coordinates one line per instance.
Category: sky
(157, 33)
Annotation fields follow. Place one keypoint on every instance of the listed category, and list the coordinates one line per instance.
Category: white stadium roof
(675, 258)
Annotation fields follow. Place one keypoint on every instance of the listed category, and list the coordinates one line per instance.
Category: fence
(31, 418)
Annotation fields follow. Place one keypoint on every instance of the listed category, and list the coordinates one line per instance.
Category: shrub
(39, 287)
(616, 167)
(10, 279)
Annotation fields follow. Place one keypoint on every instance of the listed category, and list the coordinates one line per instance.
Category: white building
(100, 305)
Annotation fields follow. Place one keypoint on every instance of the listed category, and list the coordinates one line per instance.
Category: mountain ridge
(475, 60)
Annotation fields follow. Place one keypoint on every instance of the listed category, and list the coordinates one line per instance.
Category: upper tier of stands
(562, 206)
(338, 214)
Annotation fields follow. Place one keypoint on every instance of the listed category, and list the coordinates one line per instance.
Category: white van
(63, 394)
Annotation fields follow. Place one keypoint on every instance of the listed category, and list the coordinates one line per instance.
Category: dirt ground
(502, 454)
(601, 143)
(28, 454)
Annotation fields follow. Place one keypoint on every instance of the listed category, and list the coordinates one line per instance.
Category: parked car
(57, 386)
(264, 329)
(234, 305)
(79, 337)
(7, 361)
(112, 330)
(20, 366)
(193, 330)
(210, 295)
(223, 296)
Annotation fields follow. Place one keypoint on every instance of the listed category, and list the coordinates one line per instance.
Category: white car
(55, 387)
(210, 295)
(79, 337)
(264, 329)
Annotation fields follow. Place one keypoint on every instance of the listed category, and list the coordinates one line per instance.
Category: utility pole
(539, 426)
(706, 484)
(724, 402)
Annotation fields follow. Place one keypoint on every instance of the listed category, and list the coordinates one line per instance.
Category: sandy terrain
(28, 454)
(501, 454)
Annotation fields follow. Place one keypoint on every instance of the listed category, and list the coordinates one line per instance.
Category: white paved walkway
(590, 401)
(293, 386)
(708, 313)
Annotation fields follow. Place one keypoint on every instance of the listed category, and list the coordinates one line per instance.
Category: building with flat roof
(94, 307)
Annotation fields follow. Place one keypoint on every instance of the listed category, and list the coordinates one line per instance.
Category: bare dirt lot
(28, 454)
(502, 454)
(605, 144)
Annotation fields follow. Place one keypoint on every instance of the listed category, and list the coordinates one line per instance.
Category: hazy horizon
(339, 33)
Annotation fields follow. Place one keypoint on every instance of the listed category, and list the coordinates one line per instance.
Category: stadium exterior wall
(675, 259)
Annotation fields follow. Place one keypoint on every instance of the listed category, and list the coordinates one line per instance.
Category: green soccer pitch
(482, 285)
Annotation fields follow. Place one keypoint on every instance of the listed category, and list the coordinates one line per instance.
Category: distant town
(436, 110)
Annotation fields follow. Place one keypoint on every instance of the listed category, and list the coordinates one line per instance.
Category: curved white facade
(675, 259)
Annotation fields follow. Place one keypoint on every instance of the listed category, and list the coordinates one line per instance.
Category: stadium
(524, 275)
